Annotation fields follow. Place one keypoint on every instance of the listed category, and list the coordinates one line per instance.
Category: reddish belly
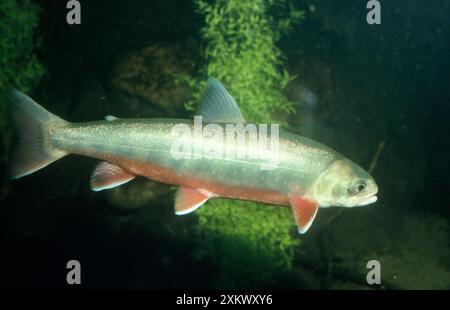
(165, 175)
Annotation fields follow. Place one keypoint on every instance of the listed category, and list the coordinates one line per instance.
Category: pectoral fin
(108, 176)
(305, 211)
(188, 200)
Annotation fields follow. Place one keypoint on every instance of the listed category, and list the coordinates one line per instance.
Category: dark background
(387, 83)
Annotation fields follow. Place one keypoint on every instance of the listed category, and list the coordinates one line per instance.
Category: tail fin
(33, 150)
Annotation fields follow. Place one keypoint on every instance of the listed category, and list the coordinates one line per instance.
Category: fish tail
(33, 150)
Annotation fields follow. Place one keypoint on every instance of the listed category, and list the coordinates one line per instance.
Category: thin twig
(374, 162)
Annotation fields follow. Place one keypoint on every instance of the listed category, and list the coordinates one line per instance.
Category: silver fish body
(299, 171)
(148, 143)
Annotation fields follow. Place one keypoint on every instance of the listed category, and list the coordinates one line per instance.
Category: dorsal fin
(218, 106)
(108, 176)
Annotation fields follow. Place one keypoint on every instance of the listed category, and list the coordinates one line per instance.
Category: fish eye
(360, 186)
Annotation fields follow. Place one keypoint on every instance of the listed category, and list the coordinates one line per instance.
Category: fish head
(345, 184)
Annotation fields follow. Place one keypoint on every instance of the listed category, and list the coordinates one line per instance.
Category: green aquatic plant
(18, 63)
(19, 66)
(250, 244)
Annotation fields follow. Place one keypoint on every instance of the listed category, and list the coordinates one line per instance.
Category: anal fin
(108, 176)
(304, 211)
(188, 200)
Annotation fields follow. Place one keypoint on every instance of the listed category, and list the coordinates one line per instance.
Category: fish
(307, 176)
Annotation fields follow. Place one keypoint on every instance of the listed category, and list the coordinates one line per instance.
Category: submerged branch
(374, 162)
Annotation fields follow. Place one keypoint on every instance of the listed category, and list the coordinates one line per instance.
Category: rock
(137, 194)
(152, 73)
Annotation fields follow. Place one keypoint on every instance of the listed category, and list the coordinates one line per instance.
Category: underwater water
(378, 94)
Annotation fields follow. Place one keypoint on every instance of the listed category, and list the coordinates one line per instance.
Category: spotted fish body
(307, 174)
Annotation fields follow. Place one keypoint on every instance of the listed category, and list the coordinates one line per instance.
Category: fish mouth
(369, 200)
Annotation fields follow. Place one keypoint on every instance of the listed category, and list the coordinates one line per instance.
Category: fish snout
(371, 195)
